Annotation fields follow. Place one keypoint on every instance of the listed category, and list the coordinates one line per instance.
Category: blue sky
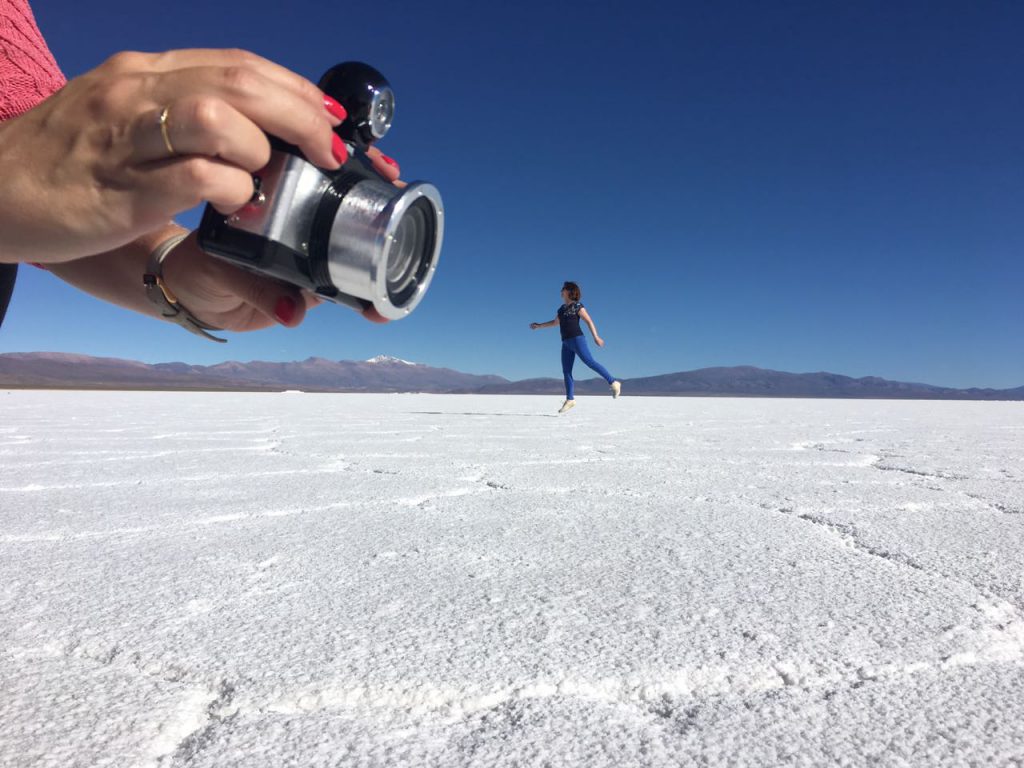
(795, 185)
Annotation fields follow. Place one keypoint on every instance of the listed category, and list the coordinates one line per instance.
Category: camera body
(349, 236)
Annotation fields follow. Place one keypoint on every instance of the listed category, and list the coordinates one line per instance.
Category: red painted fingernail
(334, 108)
(387, 159)
(339, 149)
(284, 310)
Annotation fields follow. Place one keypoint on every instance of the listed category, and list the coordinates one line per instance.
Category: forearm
(593, 329)
(116, 276)
(548, 324)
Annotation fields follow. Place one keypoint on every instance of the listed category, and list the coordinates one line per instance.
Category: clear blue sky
(795, 185)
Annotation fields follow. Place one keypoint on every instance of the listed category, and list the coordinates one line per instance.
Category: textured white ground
(402, 580)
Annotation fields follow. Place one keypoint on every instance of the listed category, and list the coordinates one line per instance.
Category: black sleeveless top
(7, 274)
(569, 320)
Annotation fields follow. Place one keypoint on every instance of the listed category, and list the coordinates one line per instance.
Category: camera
(348, 236)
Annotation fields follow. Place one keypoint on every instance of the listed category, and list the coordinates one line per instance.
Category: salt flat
(405, 580)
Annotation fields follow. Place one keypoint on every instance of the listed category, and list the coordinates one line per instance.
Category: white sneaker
(616, 387)
(566, 406)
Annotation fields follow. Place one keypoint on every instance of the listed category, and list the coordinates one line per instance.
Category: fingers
(384, 165)
(186, 182)
(276, 100)
(281, 112)
(229, 59)
(228, 297)
(230, 99)
(278, 302)
(234, 299)
(199, 126)
(374, 316)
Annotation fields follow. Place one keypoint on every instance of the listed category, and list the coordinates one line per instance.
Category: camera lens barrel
(384, 244)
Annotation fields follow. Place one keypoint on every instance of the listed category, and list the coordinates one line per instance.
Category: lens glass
(411, 251)
(382, 112)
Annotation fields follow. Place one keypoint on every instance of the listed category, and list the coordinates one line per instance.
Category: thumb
(226, 296)
(281, 303)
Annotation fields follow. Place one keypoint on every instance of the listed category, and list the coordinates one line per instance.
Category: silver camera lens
(409, 256)
(384, 244)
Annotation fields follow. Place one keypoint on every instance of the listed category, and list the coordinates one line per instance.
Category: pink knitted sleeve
(28, 73)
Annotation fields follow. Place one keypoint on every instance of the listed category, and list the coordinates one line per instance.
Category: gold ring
(163, 131)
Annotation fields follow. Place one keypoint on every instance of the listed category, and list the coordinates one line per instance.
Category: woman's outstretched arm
(548, 324)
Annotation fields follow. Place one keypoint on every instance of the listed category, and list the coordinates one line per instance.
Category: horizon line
(528, 378)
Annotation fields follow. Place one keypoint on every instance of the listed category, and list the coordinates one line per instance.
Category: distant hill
(748, 381)
(55, 370)
(316, 374)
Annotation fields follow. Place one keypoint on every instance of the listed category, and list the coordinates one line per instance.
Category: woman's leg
(581, 349)
(568, 358)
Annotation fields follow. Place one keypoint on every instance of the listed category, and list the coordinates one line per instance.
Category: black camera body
(348, 236)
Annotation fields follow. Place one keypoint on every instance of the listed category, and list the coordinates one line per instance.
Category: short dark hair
(574, 290)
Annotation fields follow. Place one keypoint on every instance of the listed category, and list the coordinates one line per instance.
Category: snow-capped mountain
(388, 359)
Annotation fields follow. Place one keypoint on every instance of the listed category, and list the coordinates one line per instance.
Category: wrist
(163, 298)
(149, 242)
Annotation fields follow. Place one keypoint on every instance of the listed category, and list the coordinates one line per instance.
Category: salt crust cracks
(225, 579)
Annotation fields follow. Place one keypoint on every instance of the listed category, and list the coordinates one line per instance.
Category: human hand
(89, 169)
(599, 341)
(224, 296)
(534, 326)
(233, 299)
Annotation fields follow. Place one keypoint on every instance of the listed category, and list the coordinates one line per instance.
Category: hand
(534, 326)
(227, 297)
(88, 170)
(599, 341)
(233, 299)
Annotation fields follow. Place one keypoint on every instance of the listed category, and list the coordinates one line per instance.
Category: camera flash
(382, 111)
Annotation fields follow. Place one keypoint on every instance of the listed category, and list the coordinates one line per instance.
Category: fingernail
(334, 108)
(339, 149)
(387, 159)
(284, 310)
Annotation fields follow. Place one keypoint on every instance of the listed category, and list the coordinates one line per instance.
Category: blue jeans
(577, 345)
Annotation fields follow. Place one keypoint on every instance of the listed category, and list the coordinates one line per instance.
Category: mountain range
(58, 370)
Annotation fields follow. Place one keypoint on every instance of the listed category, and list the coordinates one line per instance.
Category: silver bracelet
(164, 299)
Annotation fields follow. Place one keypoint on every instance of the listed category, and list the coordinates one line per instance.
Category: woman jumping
(573, 342)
